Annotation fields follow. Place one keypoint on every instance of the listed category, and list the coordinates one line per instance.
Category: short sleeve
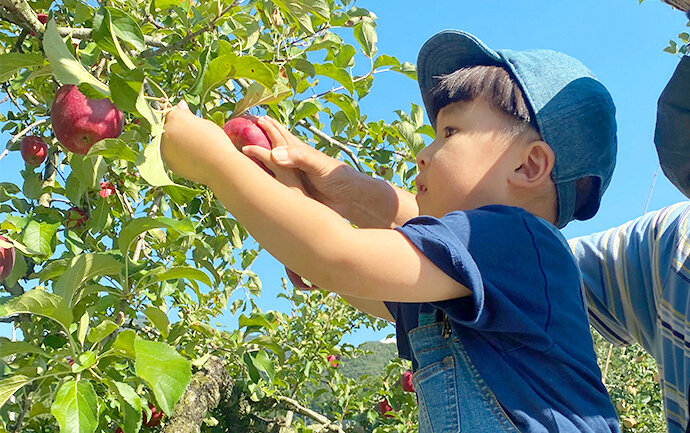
(500, 254)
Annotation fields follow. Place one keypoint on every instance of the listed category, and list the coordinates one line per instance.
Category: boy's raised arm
(306, 236)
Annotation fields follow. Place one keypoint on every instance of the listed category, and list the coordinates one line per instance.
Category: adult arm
(672, 135)
(363, 200)
(626, 274)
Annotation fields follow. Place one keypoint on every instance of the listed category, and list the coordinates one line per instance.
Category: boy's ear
(536, 162)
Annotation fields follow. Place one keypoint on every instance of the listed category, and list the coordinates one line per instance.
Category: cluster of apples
(78, 122)
(153, 421)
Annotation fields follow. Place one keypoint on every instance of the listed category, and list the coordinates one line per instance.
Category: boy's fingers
(305, 158)
(274, 135)
(259, 153)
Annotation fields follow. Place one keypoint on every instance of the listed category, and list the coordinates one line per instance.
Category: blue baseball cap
(574, 112)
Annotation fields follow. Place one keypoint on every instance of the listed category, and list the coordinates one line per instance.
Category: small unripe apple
(406, 382)
(76, 218)
(385, 407)
(79, 122)
(34, 149)
(244, 131)
(7, 256)
(155, 419)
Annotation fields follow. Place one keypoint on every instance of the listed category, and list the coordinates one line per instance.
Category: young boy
(483, 289)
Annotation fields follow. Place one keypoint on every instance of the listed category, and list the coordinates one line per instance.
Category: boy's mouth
(420, 187)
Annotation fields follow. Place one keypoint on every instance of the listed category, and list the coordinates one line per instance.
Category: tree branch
(204, 392)
(295, 406)
(332, 141)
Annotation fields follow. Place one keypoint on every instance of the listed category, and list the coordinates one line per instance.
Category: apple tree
(114, 270)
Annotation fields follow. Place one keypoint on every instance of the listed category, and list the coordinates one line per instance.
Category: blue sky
(621, 41)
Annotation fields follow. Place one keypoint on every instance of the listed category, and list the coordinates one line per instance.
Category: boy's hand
(191, 146)
(321, 177)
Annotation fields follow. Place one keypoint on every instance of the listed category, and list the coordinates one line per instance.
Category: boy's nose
(422, 158)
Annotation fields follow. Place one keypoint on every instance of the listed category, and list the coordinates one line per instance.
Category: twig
(21, 133)
(25, 408)
(49, 176)
(310, 413)
(332, 141)
(182, 42)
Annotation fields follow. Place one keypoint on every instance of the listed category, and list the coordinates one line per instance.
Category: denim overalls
(452, 396)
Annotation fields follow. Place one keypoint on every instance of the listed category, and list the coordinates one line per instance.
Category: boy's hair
(573, 111)
(492, 83)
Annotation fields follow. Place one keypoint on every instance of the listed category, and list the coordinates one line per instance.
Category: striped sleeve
(624, 270)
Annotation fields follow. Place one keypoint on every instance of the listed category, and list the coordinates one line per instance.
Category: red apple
(385, 407)
(298, 281)
(107, 189)
(245, 131)
(406, 382)
(43, 18)
(7, 256)
(119, 430)
(33, 149)
(79, 122)
(76, 218)
(156, 416)
(333, 360)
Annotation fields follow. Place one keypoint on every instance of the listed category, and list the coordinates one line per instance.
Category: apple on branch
(7, 256)
(406, 381)
(76, 218)
(34, 149)
(79, 122)
(385, 407)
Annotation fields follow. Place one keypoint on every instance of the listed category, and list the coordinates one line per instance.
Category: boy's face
(468, 164)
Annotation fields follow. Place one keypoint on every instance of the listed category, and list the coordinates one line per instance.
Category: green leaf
(82, 269)
(338, 74)
(75, 407)
(229, 65)
(188, 272)
(347, 104)
(113, 148)
(126, 28)
(256, 94)
(136, 227)
(302, 10)
(159, 319)
(11, 63)
(366, 35)
(65, 67)
(89, 171)
(8, 347)
(10, 385)
(40, 237)
(150, 164)
(98, 333)
(124, 343)
(386, 60)
(38, 301)
(165, 371)
(84, 361)
(131, 403)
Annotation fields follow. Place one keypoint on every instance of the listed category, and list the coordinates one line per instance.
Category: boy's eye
(449, 131)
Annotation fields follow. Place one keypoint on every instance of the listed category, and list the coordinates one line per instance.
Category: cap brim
(446, 52)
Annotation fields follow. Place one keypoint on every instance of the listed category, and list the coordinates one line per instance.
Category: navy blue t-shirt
(525, 326)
